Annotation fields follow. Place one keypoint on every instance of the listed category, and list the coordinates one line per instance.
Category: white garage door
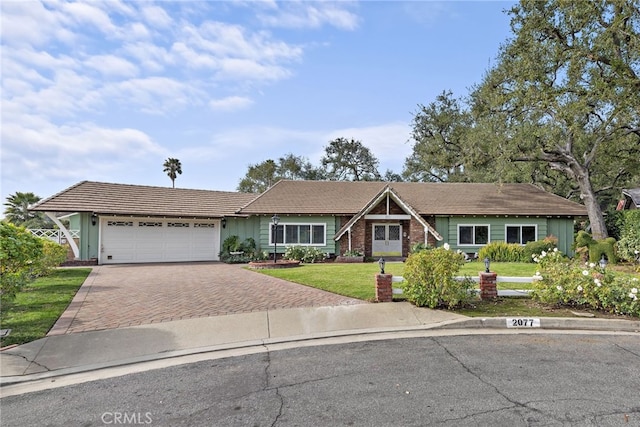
(129, 240)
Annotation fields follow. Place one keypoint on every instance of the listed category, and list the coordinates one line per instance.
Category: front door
(387, 240)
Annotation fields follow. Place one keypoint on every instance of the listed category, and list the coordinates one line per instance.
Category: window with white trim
(521, 233)
(298, 234)
(473, 235)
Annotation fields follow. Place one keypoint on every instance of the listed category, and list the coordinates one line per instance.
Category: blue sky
(106, 91)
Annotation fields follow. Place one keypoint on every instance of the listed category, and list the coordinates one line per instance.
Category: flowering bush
(429, 279)
(306, 254)
(354, 252)
(563, 282)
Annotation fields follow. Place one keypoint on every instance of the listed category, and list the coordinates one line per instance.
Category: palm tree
(173, 168)
(17, 208)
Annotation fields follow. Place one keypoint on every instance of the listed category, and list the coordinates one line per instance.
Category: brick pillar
(384, 288)
(488, 289)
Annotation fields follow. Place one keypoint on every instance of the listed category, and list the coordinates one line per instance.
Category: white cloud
(233, 41)
(156, 16)
(26, 23)
(246, 69)
(40, 153)
(111, 66)
(87, 14)
(151, 58)
(154, 95)
(296, 14)
(230, 103)
(388, 142)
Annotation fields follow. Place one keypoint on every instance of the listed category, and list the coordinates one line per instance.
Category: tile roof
(122, 199)
(348, 198)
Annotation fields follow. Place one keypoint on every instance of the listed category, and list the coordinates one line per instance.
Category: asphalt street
(469, 380)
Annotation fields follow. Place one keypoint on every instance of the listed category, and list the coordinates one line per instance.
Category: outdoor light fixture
(381, 263)
(275, 219)
(486, 265)
(224, 222)
(603, 262)
(94, 219)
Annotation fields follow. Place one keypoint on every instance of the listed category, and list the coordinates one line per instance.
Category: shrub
(20, 252)
(537, 247)
(418, 247)
(53, 254)
(236, 252)
(562, 282)
(306, 254)
(596, 248)
(354, 252)
(430, 279)
(629, 244)
(502, 252)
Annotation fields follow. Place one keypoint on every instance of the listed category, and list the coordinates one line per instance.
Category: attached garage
(132, 240)
(121, 223)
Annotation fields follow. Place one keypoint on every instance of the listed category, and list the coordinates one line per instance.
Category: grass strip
(39, 305)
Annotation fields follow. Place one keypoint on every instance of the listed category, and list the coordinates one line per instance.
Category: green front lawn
(39, 305)
(355, 280)
(358, 280)
(516, 269)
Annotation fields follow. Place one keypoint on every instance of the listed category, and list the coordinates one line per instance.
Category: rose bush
(561, 281)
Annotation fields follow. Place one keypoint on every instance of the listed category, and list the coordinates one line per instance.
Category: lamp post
(381, 263)
(486, 265)
(603, 262)
(275, 219)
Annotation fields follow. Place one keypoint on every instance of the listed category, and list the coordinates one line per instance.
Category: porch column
(67, 234)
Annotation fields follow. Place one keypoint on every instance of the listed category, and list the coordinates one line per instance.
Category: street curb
(552, 323)
(464, 326)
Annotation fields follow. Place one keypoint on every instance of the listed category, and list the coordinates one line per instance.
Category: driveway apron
(115, 296)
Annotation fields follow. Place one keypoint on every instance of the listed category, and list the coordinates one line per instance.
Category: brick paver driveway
(115, 296)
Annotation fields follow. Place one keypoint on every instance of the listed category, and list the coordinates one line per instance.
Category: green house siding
(330, 245)
(88, 244)
(244, 228)
(562, 228)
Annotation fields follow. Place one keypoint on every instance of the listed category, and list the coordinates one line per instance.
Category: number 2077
(523, 323)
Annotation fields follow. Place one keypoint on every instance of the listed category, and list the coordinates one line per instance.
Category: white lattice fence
(53, 234)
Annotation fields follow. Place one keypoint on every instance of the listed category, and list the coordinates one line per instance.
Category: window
(119, 223)
(149, 224)
(521, 233)
(473, 234)
(298, 234)
(178, 224)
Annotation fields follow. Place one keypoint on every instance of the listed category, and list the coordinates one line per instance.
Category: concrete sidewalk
(89, 350)
(60, 355)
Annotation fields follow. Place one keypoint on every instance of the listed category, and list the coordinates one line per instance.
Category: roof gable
(386, 192)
